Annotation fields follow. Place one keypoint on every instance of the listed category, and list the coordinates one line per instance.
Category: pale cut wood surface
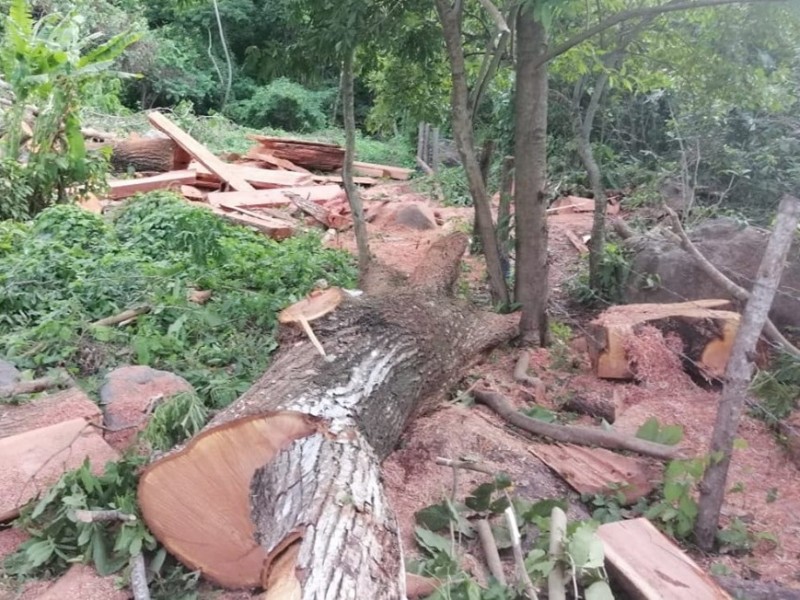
(124, 188)
(47, 410)
(275, 197)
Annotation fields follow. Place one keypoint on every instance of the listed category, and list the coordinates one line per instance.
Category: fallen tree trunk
(282, 489)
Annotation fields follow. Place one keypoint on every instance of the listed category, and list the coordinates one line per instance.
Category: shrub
(283, 104)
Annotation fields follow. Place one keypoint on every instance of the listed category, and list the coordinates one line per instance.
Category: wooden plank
(596, 470)
(274, 228)
(259, 178)
(124, 188)
(47, 410)
(365, 181)
(34, 460)
(258, 153)
(194, 194)
(275, 197)
(577, 242)
(650, 567)
(202, 154)
(387, 171)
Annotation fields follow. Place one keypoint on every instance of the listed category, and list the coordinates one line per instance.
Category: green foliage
(653, 431)
(174, 421)
(583, 557)
(452, 181)
(52, 65)
(70, 268)
(778, 389)
(283, 104)
(612, 277)
(676, 512)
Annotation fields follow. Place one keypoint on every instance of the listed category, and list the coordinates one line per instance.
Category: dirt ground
(764, 484)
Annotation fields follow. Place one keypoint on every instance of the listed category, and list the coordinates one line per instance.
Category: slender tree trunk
(504, 212)
(740, 370)
(485, 163)
(530, 131)
(450, 18)
(353, 197)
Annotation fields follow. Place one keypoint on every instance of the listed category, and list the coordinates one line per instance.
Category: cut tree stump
(35, 459)
(650, 567)
(282, 489)
(48, 410)
(707, 333)
(596, 470)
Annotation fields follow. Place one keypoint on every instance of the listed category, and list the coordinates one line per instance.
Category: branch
(34, 386)
(739, 293)
(139, 578)
(572, 434)
(645, 11)
(490, 550)
(122, 317)
(497, 16)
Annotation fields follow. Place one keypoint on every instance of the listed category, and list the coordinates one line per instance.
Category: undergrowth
(69, 268)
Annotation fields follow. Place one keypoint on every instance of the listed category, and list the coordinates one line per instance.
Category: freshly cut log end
(707, 333)
(188, 498)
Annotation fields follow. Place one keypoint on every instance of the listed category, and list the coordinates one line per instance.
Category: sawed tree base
(282, 490)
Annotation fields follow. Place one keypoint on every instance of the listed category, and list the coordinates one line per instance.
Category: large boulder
(661, 271)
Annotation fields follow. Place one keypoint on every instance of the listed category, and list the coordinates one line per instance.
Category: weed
(612, 278)
(778, 389)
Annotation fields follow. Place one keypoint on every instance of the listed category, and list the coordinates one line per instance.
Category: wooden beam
(257, 178)
(124, 188)
(275, 197)
(650, 567)
(200, 153)
(376, 170)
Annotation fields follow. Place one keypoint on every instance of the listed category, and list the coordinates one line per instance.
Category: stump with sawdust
(706, 331)
(282, 489)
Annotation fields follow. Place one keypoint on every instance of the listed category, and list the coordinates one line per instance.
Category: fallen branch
(122, 317)
(490, 550)
(738, 292)
(572, 434)
(35, 385)
(96, 516)
(139, 578)
(464, 464)
(519, 558)
(557, 580)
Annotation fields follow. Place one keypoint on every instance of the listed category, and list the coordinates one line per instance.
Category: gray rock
(9, 374)
(663, 272)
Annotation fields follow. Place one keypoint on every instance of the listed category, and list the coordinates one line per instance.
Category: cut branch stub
(312, 308)
(189, 522)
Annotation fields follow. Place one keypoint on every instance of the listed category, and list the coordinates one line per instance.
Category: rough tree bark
(530, 160)
(282, 489)
(450, 17)
(353, 198)
(740, 370)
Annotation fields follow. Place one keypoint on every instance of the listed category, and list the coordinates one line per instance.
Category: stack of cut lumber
(279, 186)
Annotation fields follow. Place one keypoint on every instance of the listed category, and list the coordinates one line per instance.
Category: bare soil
(764, 483)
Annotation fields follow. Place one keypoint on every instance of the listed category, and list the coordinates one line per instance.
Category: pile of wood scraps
(278, 187)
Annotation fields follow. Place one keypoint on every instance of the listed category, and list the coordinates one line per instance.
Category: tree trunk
(359, 224)
(504, 213)
(314, 519)
(143, 154)
(530, 131)
(485, 164)
(740, 370)
(450, 17)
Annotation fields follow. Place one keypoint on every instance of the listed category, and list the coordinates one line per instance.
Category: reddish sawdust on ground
(765, 484)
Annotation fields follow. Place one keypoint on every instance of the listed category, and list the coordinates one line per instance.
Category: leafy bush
(777, 388)
(613, 276)
(70, 268)
(283, 104)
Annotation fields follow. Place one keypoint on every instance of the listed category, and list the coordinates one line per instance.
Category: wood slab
(275, 197)
(651, 567)
(365, 181)
(35, 459)
(194, 194)
(385, 171)
(124, 188)
(199, 152)
(706, 331)
(596, 470)
(257, 178)
(261, 155)
(48, 410)
(277, 229)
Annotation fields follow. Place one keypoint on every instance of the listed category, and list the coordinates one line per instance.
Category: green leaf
(432, 542)
(585, 547)
(599, 590)
(434, 517)
(649, 430)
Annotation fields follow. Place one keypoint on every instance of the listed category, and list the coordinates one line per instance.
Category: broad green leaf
(599, 590)
(432, 542)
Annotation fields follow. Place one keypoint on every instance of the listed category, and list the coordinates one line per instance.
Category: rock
(9, 374)
(414, 215)
(663, 272)
(82, 582)
(128, 395)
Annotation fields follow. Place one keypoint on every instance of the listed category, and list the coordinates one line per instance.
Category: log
(572, 434)
(261, 155)
(311, 155)
(146, 154)
(48, 410)
(651, 567)
(199, 152)
(124, 188)
(123, 317)
(707, 334)
(295, 460)
(595, 405)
